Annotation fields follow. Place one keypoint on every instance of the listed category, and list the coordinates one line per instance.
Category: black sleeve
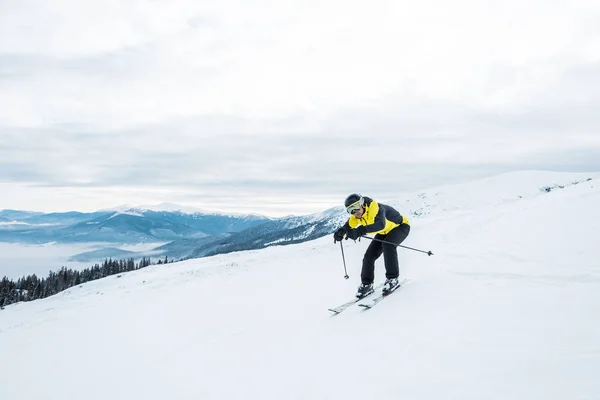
(347, 226)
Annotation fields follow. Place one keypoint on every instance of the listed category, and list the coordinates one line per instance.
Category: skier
(368, 216)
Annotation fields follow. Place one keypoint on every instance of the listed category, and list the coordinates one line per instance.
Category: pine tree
(31, 287)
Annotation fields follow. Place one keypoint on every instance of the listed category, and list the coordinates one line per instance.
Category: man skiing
(368, 216)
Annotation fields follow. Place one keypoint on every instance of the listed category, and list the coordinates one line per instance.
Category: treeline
(32, 288)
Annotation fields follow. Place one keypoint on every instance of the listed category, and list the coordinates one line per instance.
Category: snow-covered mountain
(127, 225)
(506, 309)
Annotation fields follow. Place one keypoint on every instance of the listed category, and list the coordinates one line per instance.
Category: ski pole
(429, 253)
(344, 259)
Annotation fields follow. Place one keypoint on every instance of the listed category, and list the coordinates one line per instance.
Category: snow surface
(507, 308)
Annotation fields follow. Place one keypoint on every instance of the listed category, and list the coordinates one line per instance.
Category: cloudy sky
(284, 107)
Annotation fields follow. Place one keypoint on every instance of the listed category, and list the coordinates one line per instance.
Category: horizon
(312, 208)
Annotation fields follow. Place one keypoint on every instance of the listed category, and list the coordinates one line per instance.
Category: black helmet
(353, 202)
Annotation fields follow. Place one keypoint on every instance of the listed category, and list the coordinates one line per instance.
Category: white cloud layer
(288, 104)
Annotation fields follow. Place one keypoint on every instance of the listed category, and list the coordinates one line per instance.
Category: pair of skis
(369, 302)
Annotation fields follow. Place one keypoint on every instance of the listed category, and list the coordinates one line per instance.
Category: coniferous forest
(31, 287)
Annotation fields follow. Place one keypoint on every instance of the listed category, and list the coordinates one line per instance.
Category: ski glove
(357, 232)
(338, 235)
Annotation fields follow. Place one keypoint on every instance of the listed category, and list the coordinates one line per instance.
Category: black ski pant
(390, 254)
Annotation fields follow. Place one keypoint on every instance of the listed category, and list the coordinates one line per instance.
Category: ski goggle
(354, 207)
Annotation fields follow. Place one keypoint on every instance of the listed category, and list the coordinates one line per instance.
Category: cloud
(229, 103)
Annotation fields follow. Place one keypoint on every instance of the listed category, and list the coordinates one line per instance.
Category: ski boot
(389, 286)
(364, 290)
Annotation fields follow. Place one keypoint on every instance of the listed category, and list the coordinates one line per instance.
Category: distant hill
(108, 252)
(127, 226)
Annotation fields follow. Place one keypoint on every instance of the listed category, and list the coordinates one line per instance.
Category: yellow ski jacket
(377, 218)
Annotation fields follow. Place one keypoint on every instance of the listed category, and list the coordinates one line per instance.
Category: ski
(382, 296)
(344, 306)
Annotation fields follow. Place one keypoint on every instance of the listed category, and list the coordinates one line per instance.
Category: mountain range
(133, 225)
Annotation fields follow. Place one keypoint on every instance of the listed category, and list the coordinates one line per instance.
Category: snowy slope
(506, 309)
